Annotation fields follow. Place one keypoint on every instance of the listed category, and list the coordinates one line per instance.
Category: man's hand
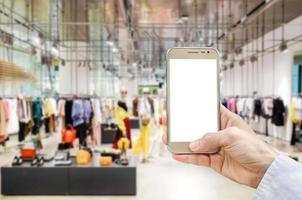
(243, 157)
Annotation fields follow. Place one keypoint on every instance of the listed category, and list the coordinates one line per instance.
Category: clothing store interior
(83, 92)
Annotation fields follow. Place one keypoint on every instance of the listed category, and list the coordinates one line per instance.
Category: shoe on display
(17, 161)
(34, 162)
(40, 162)
(124, 161)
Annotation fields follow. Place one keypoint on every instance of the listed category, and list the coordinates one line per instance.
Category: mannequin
(123, 122)
(146, 112)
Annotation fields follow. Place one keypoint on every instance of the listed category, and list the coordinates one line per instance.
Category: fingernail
(194, 145)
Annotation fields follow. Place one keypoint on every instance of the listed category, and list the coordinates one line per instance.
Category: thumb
(209, 142)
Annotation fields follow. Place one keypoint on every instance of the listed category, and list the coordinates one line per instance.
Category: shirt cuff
(276, 182)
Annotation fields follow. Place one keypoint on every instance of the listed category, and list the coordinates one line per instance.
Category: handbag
(69, 134)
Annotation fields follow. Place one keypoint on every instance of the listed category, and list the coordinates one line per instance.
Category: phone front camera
(208, 51)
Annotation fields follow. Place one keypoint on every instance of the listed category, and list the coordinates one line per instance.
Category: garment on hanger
(146, 106)
(61, 115)
(249, 107)
(257, 107)
(135, 106)
(37, 108)
(79, 120)
(278, 117)
(50, 111)
(241, 107)
(296, 110)
(23, 116)
(224, 103)
(68, 112)
(96, 122)
(232, 104)
(12, 123)
(267, 107)
(2, 118)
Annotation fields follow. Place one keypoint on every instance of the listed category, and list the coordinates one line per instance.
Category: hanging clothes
(296, 110)
(267, 108)
(68, 112)
(79, 120)
(224, 103)
(50, 111)
(61, 115)
(241, 107)
(12, 125)
(23, 116)
(37, 107)
(96, 122)
(257, 107)
(135, 106)
(2, 119)
(121, 117)
(278, 112)
(232, 104)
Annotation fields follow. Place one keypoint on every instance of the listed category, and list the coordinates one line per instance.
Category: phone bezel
(190, 53)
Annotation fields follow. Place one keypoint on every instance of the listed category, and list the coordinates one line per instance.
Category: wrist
(268, 159)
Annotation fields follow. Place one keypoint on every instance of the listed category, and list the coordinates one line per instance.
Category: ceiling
(143, 29)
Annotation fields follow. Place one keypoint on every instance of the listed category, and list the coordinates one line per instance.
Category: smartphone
(192, 96)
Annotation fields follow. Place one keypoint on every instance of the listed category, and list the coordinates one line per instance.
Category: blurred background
(111, 55)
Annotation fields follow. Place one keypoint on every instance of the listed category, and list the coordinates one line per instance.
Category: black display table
(71, 180)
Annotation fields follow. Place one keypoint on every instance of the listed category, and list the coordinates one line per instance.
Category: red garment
(6, 110)
(135, 107)
(119, 134)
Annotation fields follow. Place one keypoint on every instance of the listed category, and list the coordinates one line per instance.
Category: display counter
(69, 180)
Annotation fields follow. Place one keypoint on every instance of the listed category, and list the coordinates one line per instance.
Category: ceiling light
(37, 40)
(110, 43)
(114, 50)
(243, 19)
(283, 47)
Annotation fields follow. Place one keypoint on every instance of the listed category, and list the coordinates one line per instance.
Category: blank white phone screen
(193, 98)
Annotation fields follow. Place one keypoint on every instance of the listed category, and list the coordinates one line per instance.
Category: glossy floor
(164, 178)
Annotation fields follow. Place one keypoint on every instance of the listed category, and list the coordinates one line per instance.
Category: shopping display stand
(69, 180)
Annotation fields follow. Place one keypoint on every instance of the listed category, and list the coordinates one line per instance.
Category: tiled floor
(164, 178)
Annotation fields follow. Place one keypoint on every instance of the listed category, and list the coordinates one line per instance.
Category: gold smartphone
(192, 96)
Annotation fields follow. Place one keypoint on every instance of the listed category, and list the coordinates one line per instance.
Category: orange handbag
(69, 134)
(105, 160)
(28, 153)
(83, 157)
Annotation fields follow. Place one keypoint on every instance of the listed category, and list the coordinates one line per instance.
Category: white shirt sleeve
(282, 180)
